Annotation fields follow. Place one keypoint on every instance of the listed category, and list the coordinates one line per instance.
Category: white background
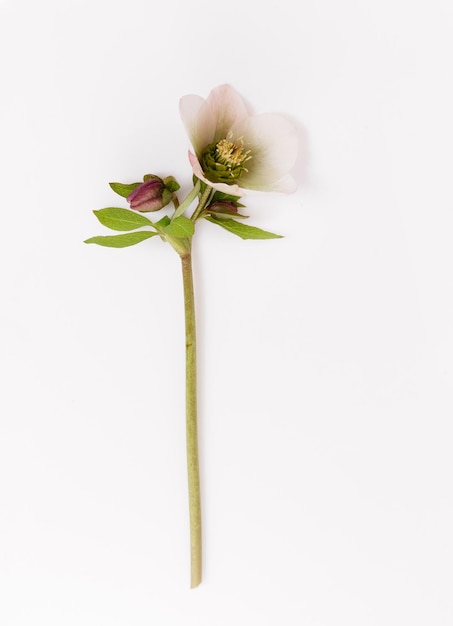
(325, 357)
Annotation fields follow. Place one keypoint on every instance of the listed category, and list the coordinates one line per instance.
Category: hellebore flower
(151, 195)
(235, 150)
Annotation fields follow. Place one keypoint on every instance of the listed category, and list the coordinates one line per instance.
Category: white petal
(286, 184)
(198, 120)
(273, 142)
(228, 108)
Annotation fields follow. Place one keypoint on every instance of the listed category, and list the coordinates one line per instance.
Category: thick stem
(191, 423)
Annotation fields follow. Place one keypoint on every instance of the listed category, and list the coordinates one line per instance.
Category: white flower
(235, 150)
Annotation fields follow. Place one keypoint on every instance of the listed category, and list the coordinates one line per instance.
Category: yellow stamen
(230, 153)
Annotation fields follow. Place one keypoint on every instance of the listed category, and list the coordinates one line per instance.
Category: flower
(151, 195)
(235, 150)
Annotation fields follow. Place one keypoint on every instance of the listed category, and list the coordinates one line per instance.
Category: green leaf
(124, 190)
(122, 241)
(121, 219)
(243, 230)
(164, 221)
(180, 227)
(161, 224)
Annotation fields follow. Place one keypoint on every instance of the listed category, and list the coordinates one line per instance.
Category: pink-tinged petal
(263, 179)
(198, 121)
(233, 190)
(274, 143)
(228, 108)
(196, 167)
(286, 184)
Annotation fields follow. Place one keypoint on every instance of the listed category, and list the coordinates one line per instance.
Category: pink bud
(147, 196)
(223, 206)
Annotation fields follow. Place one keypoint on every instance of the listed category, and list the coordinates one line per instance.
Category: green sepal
(147, 177)
(180, 227)
(121, 241)
(243, 230)
(121, 219)
(171, 183)
(167, 196)
(124, 190)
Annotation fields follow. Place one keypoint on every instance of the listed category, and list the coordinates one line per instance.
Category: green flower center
(225, 160)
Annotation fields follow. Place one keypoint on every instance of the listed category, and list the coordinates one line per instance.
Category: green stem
(191, 423)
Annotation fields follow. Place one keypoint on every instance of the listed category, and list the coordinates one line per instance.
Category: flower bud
(223, 206)
(149, 196)
(223, 209)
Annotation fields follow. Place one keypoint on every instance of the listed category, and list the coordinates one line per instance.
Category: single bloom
(235, 150)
